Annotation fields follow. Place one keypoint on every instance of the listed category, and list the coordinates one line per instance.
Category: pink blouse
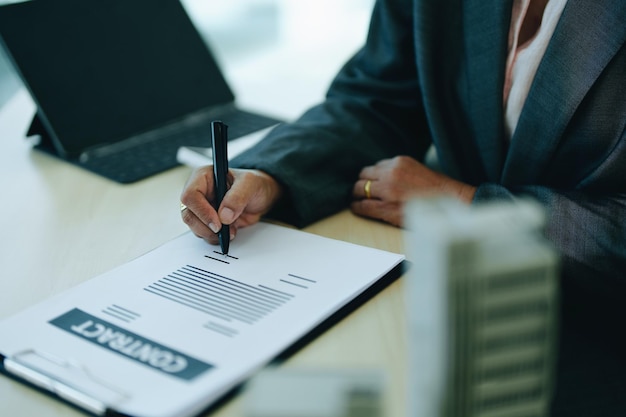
(523, 60)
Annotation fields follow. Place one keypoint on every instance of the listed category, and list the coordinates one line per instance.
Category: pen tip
(224, 245)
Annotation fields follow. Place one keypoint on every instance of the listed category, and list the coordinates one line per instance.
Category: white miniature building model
(482, 298)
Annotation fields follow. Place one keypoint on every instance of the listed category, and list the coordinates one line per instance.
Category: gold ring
(368, 189)
(182, 207)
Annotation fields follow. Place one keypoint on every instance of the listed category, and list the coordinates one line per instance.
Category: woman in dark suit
(518, 98)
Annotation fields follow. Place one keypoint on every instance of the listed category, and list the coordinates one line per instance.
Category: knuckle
(188, 217)
(185, 198)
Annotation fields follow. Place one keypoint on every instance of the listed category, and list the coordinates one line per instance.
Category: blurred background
(300, 44)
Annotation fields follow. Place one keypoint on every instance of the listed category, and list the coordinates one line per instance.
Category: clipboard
(176, 330)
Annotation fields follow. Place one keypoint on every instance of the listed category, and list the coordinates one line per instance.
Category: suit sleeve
(588, 230)
(372, 111)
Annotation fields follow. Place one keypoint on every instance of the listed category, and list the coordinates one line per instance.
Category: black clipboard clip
(65, 379)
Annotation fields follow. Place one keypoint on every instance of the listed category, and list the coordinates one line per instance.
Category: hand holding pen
(252, 193)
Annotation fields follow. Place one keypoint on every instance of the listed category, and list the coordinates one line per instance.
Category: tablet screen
(101, 71)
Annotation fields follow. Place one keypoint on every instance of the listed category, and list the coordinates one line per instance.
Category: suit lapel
(588, 35)
(486, 24)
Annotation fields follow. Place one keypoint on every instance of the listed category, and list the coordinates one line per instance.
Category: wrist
(460, 190)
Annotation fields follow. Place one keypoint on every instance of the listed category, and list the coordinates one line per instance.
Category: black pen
(219, 137)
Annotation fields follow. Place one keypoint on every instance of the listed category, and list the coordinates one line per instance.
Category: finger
(373, 172)
(225, 213)
(199, 228)
(361, 187)
(196, 195)
(212, 239)
(233, 230)
(369, 172)
(202, 231)
(244, 189)
(377, 209)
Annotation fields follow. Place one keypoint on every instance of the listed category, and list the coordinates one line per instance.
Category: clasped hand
(392, 182)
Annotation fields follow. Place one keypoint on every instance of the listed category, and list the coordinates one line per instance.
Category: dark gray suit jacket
(432, 72)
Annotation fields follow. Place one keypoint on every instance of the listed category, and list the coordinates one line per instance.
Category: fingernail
(213, 228)
(227, 215)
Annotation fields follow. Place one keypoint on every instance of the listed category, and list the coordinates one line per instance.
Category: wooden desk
(62, 225)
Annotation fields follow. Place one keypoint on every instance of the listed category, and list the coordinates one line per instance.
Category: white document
(195, 156)
(170, 332)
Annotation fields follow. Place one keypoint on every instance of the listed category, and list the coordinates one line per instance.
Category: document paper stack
(482, 308)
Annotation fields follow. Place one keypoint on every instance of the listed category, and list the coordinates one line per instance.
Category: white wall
(297, 44)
